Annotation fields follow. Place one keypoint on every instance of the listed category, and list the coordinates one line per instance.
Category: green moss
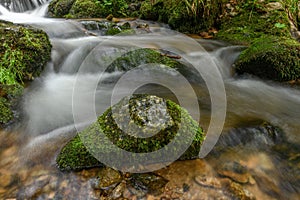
(9, 96)
(60, 8)
(24, 52)
(85, 9)
(5, 112)
(272, 53)
(138, 57)
(114, 29)
(185, 16)
(252, 21)
(270, 57)
(75, 156)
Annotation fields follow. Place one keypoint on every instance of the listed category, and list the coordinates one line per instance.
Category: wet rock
(260, 137)
(138, 57)
(118, 191)
(271, 57)
(239, 192)
(267, 184)
(208, 181)
(104, 27)
(236, 172)
(6, 178)
(149, 183)
(60, 8)
(141, 120)
(33, 190)
(108, 178)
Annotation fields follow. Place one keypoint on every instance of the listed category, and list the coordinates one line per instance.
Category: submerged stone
(137, 124)
(148, 183)
(235, 171)
(105, 27)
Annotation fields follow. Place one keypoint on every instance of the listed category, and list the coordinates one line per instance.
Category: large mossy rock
(148, 115)
(275, 58)
(24, 52)
(85, 9)
(142, 56)
(60, 8)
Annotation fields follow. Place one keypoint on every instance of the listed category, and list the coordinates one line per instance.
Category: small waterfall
(3, 10)
(22, 5)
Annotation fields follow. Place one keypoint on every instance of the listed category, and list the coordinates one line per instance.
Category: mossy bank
(185, 16)
(156, 119)
(264, 26)
(23, 55)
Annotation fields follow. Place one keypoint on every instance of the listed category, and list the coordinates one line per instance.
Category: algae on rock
(148, 115)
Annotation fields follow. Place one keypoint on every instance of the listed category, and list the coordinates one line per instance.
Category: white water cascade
(22, 5)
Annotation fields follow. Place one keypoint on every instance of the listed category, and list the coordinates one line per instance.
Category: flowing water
(76, 78)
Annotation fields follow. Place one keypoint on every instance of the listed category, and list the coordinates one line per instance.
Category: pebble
(205, 181)
(236, 172)
(119, 190)
(5, 178)
(108, 177)
(239, 192)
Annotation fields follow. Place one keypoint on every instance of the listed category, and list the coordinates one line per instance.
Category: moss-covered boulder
(152, 117)
(24, 52)
(85, 9)
(60, 8)
(74, 8)
(139, 57)
(270, 57)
